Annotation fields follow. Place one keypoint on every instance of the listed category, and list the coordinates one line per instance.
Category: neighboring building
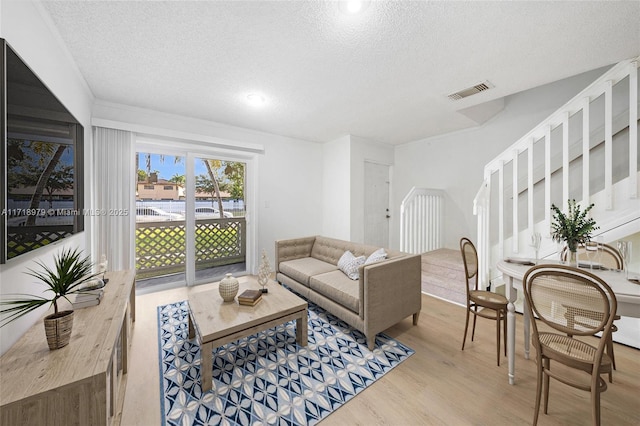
(160, 190)
(204, 196)
(165, 190)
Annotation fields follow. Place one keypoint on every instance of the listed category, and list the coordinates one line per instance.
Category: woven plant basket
(57, 327)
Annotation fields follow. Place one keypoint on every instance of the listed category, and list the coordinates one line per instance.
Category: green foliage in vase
(574, 227)
(70, 271)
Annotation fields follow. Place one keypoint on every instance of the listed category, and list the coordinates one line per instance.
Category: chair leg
(609, 351)
(595, 401)
(466, 327)
(546, 366)
(475, 317)
(538, 389)
(498, 337)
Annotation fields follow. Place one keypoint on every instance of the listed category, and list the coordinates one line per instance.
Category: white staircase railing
(607, 110)
(421, 220)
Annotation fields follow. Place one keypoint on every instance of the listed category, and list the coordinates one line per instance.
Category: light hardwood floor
(438, 385)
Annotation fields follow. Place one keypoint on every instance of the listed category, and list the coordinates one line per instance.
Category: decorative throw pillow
(376, 256)
(349, 264)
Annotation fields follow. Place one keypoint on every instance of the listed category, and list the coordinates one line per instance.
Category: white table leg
(511, 329)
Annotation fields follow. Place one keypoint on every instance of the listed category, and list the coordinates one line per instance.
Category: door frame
(190, 151)
(388, 207)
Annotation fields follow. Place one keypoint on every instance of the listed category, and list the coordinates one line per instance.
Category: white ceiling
(384, 74)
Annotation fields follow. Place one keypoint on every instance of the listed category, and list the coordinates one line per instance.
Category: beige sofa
(385, 293)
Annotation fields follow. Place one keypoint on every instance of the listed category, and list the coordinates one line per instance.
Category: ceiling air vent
(480, 87)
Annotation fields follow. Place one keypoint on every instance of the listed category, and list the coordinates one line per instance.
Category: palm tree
(60, 179)
(214, 181)
(147, 160)
(234, 171)
(179, 179)
(44, 178)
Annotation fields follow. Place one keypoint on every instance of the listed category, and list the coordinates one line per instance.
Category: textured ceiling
(384, 74)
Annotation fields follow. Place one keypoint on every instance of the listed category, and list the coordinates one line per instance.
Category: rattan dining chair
(611, 259)
(480, 302)
(570, 302)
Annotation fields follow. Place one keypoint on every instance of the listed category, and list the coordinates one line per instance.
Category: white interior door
(376, 204)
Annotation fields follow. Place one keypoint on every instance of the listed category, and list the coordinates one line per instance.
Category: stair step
(443, 275)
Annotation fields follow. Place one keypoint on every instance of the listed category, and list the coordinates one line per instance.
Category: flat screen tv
(41, 192)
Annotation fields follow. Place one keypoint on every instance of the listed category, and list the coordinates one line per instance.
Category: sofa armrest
(392, 290)
(291, 249)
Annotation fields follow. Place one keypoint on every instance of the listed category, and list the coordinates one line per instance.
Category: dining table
(627, 292)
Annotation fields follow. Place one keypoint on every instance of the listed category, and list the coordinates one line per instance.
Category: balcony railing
(161, 246)
(22, 239)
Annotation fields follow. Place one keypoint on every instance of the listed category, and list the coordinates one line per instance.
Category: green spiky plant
(70, 271)
(575, 227)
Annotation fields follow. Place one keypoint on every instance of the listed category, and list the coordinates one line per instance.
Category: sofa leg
(415, 318)
(371, 342)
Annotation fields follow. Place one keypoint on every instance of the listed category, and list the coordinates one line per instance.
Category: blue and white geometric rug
(268, 378)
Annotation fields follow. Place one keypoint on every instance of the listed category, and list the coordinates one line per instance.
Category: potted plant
(71, 270)
(574, 228)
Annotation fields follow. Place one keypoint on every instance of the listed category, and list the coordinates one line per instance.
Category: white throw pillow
(349, 264)
(376, 256)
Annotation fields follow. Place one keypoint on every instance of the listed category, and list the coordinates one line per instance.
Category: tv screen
(42, 163)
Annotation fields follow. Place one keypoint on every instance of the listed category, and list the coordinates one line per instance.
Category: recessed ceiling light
(256, 99)
(353, 7)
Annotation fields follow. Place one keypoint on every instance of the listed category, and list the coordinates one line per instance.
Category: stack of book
(250, 297)
(87, 298)
(90, 295)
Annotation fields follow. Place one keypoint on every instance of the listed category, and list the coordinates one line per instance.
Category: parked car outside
(155, 214)
(209, 213)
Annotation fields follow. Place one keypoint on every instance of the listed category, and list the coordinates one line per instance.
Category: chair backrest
(610, 258)
(470, 260)
(569, 300)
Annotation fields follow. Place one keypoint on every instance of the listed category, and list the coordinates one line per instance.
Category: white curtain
(114, 197)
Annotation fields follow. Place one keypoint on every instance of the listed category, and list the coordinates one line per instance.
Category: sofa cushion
(301, 269)
(349, 264)
(339, 288)
(330, 249)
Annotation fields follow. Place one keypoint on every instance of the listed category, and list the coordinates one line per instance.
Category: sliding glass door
(160, 219)
(191, 223)
(220, 238)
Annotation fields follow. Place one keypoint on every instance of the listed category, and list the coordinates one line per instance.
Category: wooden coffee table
(216, 323)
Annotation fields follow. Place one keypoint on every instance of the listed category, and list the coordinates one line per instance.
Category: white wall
(455, 162)
(29, 34)
(289, 192)
(336, 188)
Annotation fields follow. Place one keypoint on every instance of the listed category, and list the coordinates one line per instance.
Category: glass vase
(573, 258)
